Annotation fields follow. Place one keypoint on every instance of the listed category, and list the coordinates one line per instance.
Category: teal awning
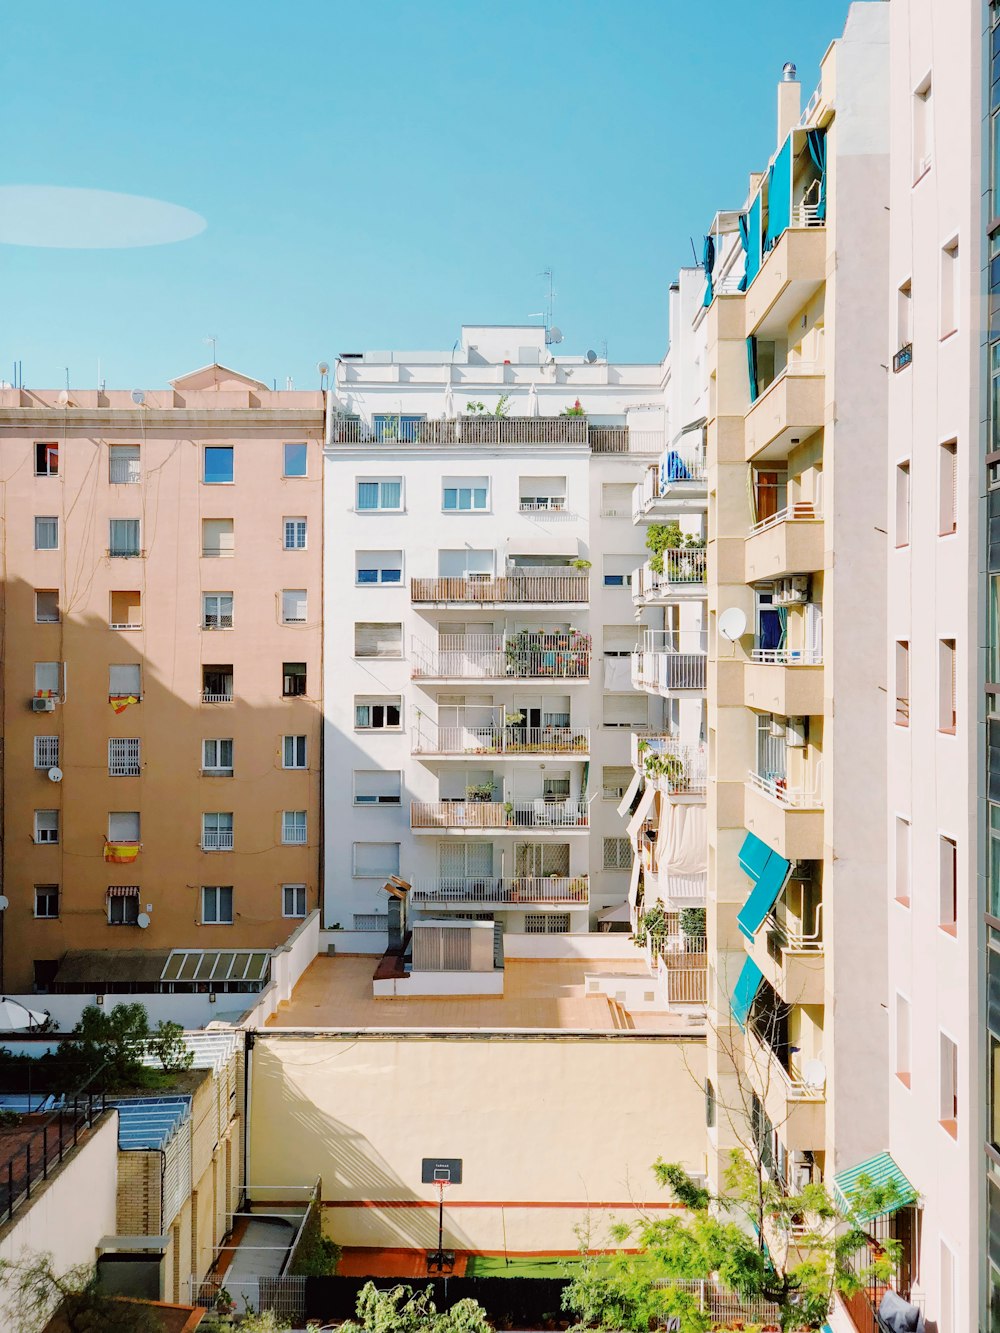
(745, 991)
(779, 195)
(769, 871)
(880, 1173)
(755, 240)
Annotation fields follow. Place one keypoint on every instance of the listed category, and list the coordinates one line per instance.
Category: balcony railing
(428, 739)
(683, 571)
(553, 507)
(217, 840)
(797, 1087)
(669, 765)
(570, 587)
(538, 814)
(668, 671)
(490, 430)
(802, 510)
(778, 790)
(790, 935)
(522, 656)
(624, 440)
(788, 656)
(217, 697)
(492, 890)
(679, 465)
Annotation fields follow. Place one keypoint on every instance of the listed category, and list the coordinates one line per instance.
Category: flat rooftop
(539, 994)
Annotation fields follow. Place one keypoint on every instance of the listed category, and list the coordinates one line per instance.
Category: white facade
(479, 701)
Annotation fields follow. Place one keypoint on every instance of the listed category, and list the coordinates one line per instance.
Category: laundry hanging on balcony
(673, 468)
(770, 872)
(684, 842)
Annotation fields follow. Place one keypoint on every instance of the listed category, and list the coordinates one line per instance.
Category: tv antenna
(213, 341)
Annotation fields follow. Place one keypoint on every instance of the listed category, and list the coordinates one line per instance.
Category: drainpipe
(248, 1046)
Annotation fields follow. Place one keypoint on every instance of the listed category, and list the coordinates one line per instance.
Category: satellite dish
(142, 921)
(63, 399)
(138, 397)
(55, 775)
(323, 368)
(591, 356)
(555, 334)
(733, 624)
(814, 1074)
(4, 902)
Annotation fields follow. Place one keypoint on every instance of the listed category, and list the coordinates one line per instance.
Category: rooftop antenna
(552, 334)
(66, 368)
(214, 343)
(604, 349)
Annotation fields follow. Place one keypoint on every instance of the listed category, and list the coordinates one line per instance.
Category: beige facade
(162, 649)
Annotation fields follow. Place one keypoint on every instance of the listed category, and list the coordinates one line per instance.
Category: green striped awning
(879, 1172)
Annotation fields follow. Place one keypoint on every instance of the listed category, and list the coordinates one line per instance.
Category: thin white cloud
(61, 217)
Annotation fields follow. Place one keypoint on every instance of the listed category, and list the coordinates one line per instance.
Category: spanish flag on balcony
(121, 853)
(119, 702)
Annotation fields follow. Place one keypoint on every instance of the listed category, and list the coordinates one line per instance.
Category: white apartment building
(478, 552)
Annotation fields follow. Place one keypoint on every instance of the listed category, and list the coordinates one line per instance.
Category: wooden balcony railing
(571, 587)
(501, 740)
(538, 814)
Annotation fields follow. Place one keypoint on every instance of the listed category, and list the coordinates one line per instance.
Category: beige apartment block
(162, 658)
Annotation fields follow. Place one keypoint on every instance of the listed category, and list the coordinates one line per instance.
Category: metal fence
(30, 1160)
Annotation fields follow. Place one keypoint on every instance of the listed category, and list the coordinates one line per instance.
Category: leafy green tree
(401, 1310)
(33, 1292)
(166, 1042)
(661, 537)
(110, 1044)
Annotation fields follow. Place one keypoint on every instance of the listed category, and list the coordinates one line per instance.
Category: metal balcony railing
(524, 656)
(801, 511)
(500, 890)
(683, 571)
(679, 464)
(217, 840)
(571, 587)
(793, 797)
(537, 814)
(490, 430)
(794, 1084)
(669, 765)
(788, 656)
(489, 740)
(217, 697)
(667, 671)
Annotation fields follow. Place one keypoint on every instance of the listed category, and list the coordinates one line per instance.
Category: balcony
(523, 656)
(683, 576)
(673, 768)
(678, 482)
(464, 432)
(790, 276)
(567, 589)
(789, 542)
(790, 1101)
(508, 742)
(680, 963)
(791, 958)
(788, 411)
(624, 440)
(668, 673)
(217, 840)
(501, 891)
(541, 816)
(787, 819)
(786, 681)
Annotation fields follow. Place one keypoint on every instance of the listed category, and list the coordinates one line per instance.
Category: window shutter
(123, 826)
(377, 786)
(124, 680)
(376, 860)
(624, 710)
(377, 639)
(294, 606)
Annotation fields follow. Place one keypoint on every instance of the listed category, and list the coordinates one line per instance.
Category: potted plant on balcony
(577, 410)
(508, 809)
(578, 889)
(479, 791)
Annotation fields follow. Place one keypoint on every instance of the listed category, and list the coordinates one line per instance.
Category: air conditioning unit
(802, 1170)
(777, 727)
(43, 705)
(792, 591)
(795, 732)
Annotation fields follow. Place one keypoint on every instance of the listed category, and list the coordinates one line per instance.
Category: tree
(34, 1292)
(661, 537)
(113, 1043)
(401, 1310)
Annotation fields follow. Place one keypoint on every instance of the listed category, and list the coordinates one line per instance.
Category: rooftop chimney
(789, 102)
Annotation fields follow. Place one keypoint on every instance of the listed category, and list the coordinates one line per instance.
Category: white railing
(731, 284)
(678, 466)
(613, 511)
(209, 698)
(808, 215)
(668, 671)
(796, 1088)
(788, 656)
(501, 889)
(683, 571)
(496, 656)
(778, 790)
(793, 938)
(522, 587)
(125, 471)
(217, 840)
(293, 834)
(428, 739)
(801, 511)
(555, 505)
(669, 765)
(125, 624)
(791, 371)
(538, 814)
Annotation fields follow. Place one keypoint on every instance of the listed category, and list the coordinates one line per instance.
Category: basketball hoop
(442, 1172)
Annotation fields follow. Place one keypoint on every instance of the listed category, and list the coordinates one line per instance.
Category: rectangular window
(217, 757)
(217, 684)
(904, 315)
(948, 1085)
(46, 826)
(902, 683)
(293, 900)
(379, 493)
(947, 487)
(377, 786)
(123, 905)
(123, 757)
(218, 465)
(46, 459)
(293, 534)
(371, 921)
(902, 861)
(293, 826)
(217, 831)
(617, 854)
(46, 751)
(218, 538)
(902, 1054)
(296, 460)
(546, 923)
(626, 711)
(293, 752)
(293, 679)
(46, 901)
(542, 494)
(124, 465)
(947, 715)
(948, 885)
(47, 534)
(48, 678)
(618, 570)
(390, 428)
(46, 606)
(124, 826)
(922, 126)
(378, 567)
(378, 639)
(126, 610)
(377, 713)
(949, 289)
(375, 860)
(217, 610)
(294, 606)
(125, 682)
(616, 499)
(123, 538)
(615, 781)
(903, 504)
(464, 494)
(619, 640)
(217, 905)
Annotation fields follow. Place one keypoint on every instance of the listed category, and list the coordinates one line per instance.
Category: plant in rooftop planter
(575, 411)
(580, 564)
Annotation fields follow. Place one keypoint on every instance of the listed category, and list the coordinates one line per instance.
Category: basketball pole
(440, 1253)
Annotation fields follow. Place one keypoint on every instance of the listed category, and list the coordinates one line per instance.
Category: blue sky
(376, 173)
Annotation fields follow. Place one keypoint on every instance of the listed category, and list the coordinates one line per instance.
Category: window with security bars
(371, 921)
(123, 757)
(217, 610)
(217, 757)
(217, 831)
(293, 752)
(123, 537)
(615, 781)
(536, 859)
(293, 826)
(617, 854)
(123, 905)
(294, 606)
(293, 900)
(46, 751)
(124, 465)
(546, 923)
(46, 901)
(217, 905)
(294, 534)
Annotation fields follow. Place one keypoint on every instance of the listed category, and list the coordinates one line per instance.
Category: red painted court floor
(364, 1261)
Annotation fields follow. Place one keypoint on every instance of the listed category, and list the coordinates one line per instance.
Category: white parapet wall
(423, 984)
(599, 947)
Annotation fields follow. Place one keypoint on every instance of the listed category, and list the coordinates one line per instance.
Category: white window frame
(381, 507)
(378, 873)
(214, 830)
(231, 481)
(129, 460)
(477, 490)
(217, 770)
(46, 829)
(296, 601)
(294, 444)
(47, 619)
(212, 902)
(214, 615)
(124, 756)
(296, 894)
(295, 533)
(133, 832)
(124, 906)
(222, 550)
(295, 748)
(294, 828)
(53, 520)
(371, 702)
(48, 680)
(124, 550)
(382, 778)
(381, 564)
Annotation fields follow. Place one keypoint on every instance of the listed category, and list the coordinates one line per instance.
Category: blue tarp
(672, 468)
(779, 195)
(769, 871)
(745, 991)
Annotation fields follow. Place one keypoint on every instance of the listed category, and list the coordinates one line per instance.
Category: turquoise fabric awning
(779, 195)
(755, 241)
(880, 1172)
(745, 991)
(769, 871)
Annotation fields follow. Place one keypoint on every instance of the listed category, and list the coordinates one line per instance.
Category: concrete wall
(548, 1129)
